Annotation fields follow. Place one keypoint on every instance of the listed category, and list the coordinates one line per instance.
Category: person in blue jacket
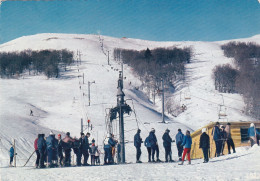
(187, 141)
(108, 144)
(148, 147)
(179, 139)
(217, 138)
(253, 134)
(52, 145)
(11, 155)
(41, 144)
(137, 143)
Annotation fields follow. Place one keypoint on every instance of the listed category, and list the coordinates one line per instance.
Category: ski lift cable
(217, 93)
(216, 103)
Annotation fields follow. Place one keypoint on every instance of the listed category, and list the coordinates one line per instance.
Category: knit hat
(59, 135)
(204, 130)
(153, 130)
(81, 134)
(167, 130)
(138, 131)
(179, 129)
(68, 133)
(252, 125)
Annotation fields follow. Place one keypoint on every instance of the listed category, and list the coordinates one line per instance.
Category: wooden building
(238, 132)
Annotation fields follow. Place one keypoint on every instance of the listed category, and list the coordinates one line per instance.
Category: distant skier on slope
(11, 151)
(187, 141)
(167, 144)
(137, 143)
(253, 134)
(205, 144)
(179, 139)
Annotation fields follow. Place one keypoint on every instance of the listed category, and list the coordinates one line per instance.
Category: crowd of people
(57, 152)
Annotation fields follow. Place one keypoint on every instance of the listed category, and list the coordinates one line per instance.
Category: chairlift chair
(222, 111)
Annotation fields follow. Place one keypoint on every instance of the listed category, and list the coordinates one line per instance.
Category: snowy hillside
(59, 104)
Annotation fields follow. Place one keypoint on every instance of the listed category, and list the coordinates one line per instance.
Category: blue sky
(159, 20)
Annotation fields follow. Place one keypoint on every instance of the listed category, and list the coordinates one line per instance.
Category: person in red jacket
(37, 151)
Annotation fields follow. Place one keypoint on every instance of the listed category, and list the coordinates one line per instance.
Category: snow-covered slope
(59, 104)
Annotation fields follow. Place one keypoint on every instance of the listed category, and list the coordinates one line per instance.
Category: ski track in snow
(58, 105)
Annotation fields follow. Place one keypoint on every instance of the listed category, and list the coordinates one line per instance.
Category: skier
(11, 155)
(253, 134)
(148, 146)
(31, 112)
(108, 143)
(137, 143)
(93, 151)
(52, 145)
(187, 141)
(205, 144)
(229, 139)
(97, 156)
(85, 147)
(66, 145)
(223, 136)
(179, 139)
(154, 145)
(60, 153)
(113, 148)
(76, 150)
(217, 139)
(41, 145)
(37, 151)
(167, 144)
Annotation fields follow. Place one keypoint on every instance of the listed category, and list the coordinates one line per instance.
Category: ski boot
(181, 163)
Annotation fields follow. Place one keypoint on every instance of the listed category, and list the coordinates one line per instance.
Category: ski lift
(222, 111)
(187, 95)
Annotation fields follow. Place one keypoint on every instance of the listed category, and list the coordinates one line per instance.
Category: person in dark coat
(179, 139)
(229, 139)
(41, 144)
(37, 151)
(67, 145)
(217, 139)
(137, 143)
(154, 145)
(205, 144)
(167, 144)
(11, 151)
(149, 149)
(84, 147)
(76, 150)
(52, 145)
(60, 152)
(223, 136)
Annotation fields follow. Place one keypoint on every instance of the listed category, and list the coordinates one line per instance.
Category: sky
(158, 20)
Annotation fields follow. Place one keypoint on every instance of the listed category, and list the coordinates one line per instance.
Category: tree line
(153, 65)
(48, 62)
(245, 78)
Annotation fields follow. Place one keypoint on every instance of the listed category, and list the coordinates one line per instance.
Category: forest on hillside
(153, 66)
(49, 62)
(245, 77)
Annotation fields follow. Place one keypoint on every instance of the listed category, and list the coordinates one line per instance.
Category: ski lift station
(238, 133)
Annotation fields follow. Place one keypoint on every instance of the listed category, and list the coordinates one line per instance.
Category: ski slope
(59, 104)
